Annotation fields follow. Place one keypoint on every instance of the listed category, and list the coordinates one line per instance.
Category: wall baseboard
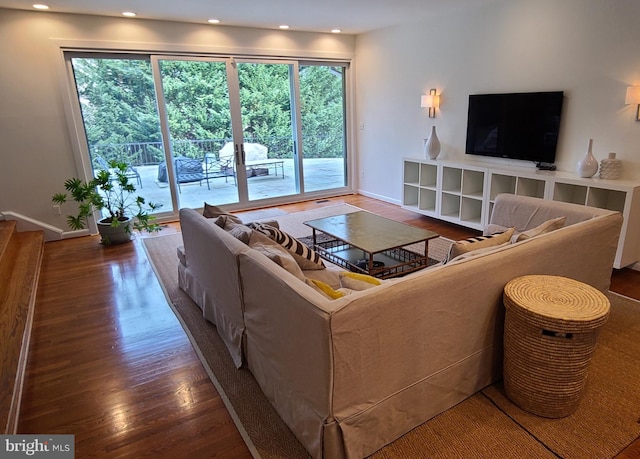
(379, 197)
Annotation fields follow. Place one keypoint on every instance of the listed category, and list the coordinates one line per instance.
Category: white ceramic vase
(588, 165)
(432, 145)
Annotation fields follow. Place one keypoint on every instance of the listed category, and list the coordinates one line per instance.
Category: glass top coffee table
(370, 244)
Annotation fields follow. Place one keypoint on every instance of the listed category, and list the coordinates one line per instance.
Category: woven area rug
(486, 425)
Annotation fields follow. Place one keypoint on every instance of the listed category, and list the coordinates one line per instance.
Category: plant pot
(110, 235)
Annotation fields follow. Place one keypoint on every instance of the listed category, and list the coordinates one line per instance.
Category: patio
(319, 174)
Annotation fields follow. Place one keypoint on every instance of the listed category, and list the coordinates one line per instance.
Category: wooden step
(20, 261)
(7, 228)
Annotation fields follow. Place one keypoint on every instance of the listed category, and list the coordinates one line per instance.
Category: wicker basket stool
(550, 333)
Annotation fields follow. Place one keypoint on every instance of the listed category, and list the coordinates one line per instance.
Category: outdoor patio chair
(215, 167)
(188, 170)
(131, 171)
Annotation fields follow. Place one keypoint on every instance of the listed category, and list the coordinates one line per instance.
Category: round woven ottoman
(550, 333)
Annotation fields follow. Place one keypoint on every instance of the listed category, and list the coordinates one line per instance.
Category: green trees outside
(119, 107)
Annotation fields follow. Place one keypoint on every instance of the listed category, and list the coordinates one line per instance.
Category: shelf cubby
(412, 172)
(501, 184)
(530, 187)
(427, 200)
(473, 183)
(451, 179)
(428, 175)
(471, 210)
(450, 206)
(568, 192)
(606, 199)
(410, 196)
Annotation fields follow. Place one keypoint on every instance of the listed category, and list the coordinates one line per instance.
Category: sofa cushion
(546, 227)
(275, 252)
(480, 242)
(357, 281)
(211, 211)
(306, 257)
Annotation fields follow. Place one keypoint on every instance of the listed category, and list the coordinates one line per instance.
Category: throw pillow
(237, 230)
(357, 281)
(475, 253)
(273, 223)
(546, 227)
(275, 252)
(480, 242)
(306, 257)
(211, 211)
(492, 228)
(327, 290)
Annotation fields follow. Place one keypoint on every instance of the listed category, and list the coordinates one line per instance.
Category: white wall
(36, 150)
(590, 49)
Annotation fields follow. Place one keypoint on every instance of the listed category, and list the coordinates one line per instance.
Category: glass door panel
(322, 95)
(195, 93)
(268, 121)
(120, 118)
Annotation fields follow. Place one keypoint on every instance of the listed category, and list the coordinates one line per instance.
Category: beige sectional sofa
(351, 375)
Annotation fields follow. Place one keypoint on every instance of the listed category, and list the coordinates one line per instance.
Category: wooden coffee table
(367, 243)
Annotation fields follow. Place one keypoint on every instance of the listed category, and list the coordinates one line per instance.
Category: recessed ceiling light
(283, 27)
(213, 21)
(40, 6)
(128, 14)
(336, 30)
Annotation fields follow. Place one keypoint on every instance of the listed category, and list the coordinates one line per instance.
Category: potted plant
(112, 192)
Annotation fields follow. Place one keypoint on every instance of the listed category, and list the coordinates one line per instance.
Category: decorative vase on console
(588, 165)
(432, 145)
(611, 168)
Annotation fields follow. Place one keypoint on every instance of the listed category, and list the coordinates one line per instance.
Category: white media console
(463, 193)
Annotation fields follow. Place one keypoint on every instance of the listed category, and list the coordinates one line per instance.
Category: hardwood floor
(110, 363)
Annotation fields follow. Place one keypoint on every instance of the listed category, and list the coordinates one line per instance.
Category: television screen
(518, 125)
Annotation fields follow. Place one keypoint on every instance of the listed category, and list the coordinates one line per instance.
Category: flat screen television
(521, 126)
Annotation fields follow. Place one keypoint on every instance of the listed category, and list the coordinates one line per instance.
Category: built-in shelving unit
(464, 192)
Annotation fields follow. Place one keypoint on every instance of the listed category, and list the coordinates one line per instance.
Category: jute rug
(486, 425)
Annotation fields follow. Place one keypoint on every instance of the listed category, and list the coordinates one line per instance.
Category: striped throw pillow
(306, 257)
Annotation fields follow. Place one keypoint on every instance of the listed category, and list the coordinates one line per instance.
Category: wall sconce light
(633, 97)
(430, 101)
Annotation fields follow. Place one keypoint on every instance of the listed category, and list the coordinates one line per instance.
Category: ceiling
(351, 16)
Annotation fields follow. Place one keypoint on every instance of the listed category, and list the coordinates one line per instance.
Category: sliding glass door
(196, 109)
(269, 137)
(324, 140)
(227, 131)
(118, 107)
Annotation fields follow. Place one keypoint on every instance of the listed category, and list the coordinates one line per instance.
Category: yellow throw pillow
(326, 289)
(357, 281)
